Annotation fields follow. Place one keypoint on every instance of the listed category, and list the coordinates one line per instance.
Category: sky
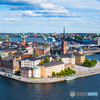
(49, 16)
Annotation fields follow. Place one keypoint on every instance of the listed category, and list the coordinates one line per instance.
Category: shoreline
(50, 80)
(81, 71)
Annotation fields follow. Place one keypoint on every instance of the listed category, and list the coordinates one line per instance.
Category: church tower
(23, 38)
(64, 43)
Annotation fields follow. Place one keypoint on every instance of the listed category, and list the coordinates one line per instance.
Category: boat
(51, 39)
(44, 38)
(70, 78)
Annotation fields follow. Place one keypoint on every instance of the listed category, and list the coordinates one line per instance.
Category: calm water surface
(13, 90)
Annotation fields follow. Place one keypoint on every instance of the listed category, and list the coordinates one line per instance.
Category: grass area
(36, 78)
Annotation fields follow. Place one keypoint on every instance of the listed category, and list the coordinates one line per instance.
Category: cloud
(10, 19)
(29, 4)
(29, 13)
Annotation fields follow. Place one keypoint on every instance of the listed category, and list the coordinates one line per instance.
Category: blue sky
(48, 16)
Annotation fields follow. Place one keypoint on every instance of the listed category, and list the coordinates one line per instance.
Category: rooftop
(53, 63)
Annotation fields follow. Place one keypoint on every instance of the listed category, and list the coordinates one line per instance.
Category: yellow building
(79, 58)
(48, 68)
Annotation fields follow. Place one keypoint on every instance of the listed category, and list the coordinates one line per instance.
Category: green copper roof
(72, 56)
(56, 54)
(80, 49)
(3, 53)
(36, 67)
(23, 36)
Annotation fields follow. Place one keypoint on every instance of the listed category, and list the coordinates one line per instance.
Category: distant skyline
(49, 16)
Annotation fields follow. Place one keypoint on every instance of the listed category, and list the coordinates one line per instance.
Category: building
(36, 72)
(42, 50)
(9, 64)
(79, 58)
(22, 55)
(48, 68)
(26, 72)
(30, 62)
(33, 61)
(91, 41)
(68, 59)
(64, 44)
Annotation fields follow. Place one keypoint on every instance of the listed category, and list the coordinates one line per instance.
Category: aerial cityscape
(49, 50)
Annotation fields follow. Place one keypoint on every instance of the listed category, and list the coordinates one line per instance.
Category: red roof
(25, 46)
(35, 44)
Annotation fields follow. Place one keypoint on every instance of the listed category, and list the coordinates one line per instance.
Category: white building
(36, 71)
(68, 59)
(30, 63)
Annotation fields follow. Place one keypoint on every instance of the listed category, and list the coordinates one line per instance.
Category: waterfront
(11, 89)
(14, 90)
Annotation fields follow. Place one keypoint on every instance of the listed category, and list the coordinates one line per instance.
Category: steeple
(64, 34)
(64, 43)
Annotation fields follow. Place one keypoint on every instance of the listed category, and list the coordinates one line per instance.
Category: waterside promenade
(80, 72)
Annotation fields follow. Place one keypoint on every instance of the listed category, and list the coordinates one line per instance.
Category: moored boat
(70, 78)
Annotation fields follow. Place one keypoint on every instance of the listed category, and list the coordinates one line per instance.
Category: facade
(64, 47)
(30, 63)
(41, 50)
(68, 59)
(36, 72)
(9, 64)
(26, 72)
(48, 68)
(79, 58)
(91, 41)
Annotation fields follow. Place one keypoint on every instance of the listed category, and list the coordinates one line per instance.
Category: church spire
(64, 34)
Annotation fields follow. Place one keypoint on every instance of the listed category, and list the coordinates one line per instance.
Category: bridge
(92, 51)
(77, 46)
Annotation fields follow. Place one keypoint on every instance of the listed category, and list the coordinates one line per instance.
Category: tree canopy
(89, 63)
(46, 60)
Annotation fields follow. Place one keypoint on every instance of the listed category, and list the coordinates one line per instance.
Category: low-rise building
(9, 64)
(36, 72)
(26, 72)
(48, 68)
(79, 58)
(68, 59)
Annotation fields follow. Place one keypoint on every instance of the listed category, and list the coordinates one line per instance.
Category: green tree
(53, 74)
(35, 54)
(60, 59)
(46, 60)
(41, 62)
(57, 74)
(18, 72)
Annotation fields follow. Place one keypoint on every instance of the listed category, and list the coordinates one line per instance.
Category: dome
(36, 67)
(56, 54)
(72, 56)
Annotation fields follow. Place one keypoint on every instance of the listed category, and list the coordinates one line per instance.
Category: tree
(46, 60)
(57, 74)
(35, 54)
(41, 62)
(53, 74)
(18, 72)
(60, 59)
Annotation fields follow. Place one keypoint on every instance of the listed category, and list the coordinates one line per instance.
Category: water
(14, 90)
(33, 40)
(97, 57)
